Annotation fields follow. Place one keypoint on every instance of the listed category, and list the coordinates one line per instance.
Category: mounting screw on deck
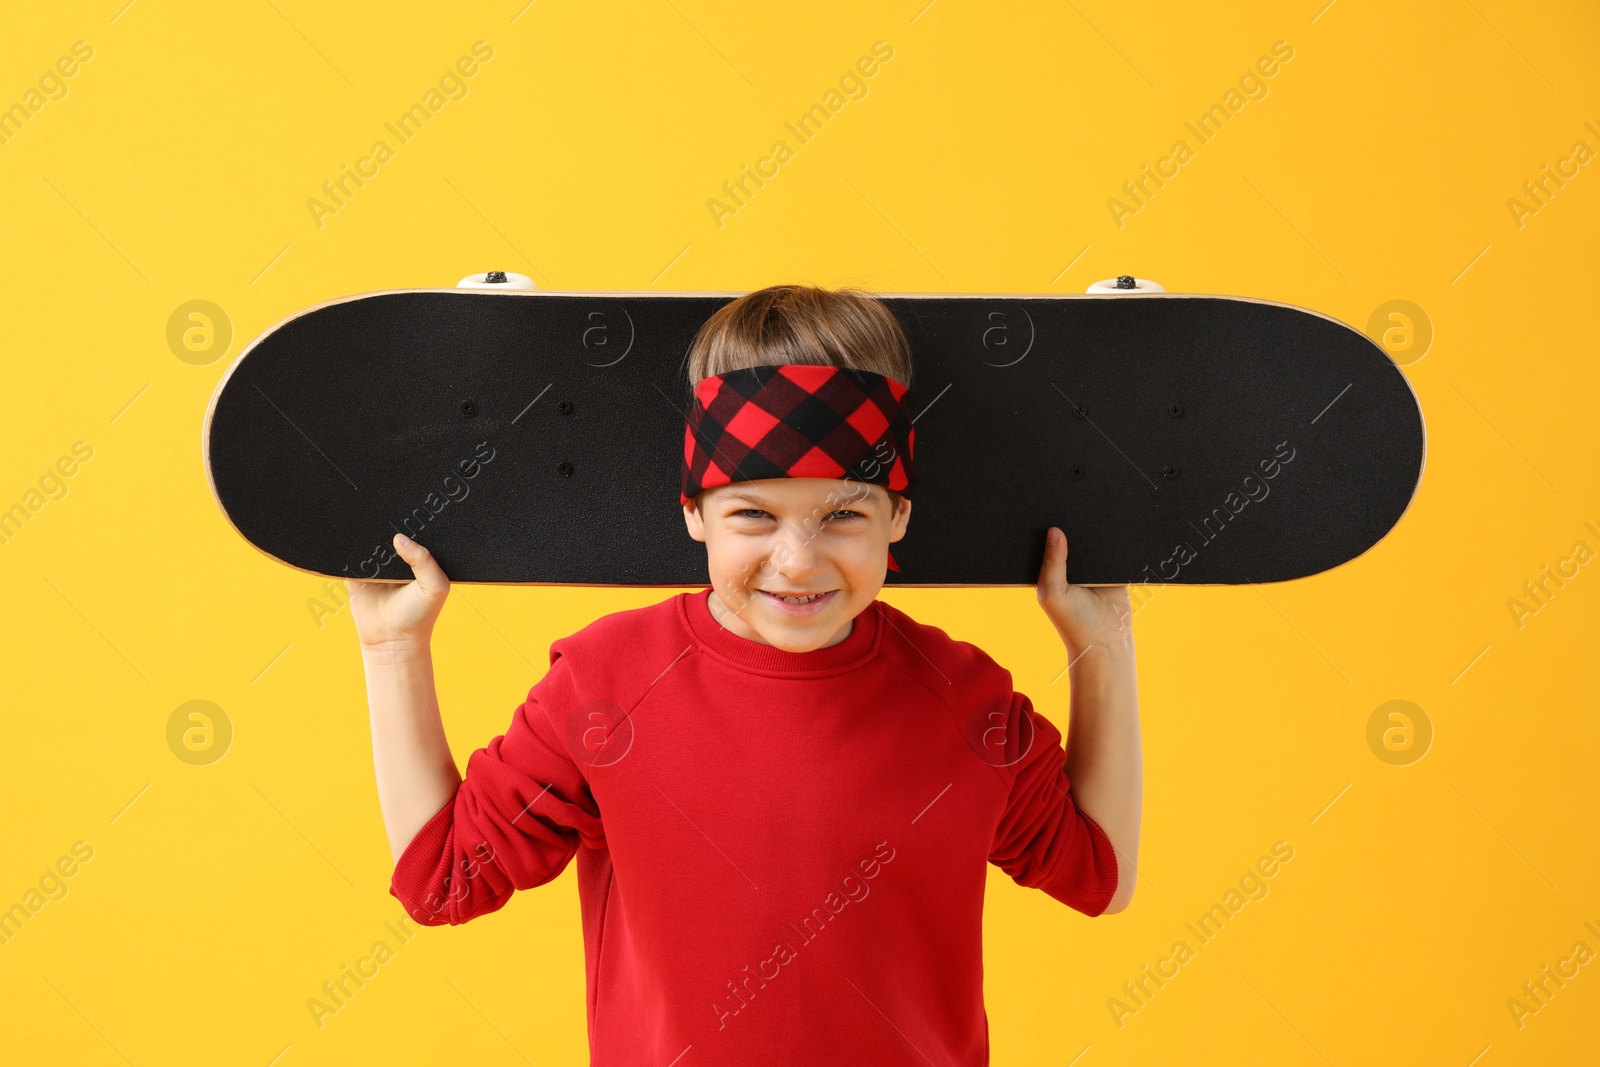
(564, 469)
(1175, 409)
(1127, 283)
(496, 279)
(1169, 472)
(565, 407)
(469, 408)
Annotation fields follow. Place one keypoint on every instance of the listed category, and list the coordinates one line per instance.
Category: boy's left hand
(1082, 614)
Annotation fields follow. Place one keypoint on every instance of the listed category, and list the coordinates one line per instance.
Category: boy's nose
(794, 553)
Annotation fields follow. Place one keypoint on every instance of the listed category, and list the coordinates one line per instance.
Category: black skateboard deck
(536, 437)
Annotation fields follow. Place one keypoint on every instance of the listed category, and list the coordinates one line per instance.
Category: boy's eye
(837, 515)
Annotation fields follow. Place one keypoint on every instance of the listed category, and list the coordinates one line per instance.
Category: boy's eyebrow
(751, 496)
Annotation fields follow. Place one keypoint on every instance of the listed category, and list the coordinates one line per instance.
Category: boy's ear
(693, 520)
(898, 521)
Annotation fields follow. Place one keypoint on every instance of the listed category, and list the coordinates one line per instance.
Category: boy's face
(772, 541)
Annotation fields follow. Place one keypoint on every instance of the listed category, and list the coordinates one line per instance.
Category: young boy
(782, 793)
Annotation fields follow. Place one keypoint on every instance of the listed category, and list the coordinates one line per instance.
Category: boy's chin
(808, 636)
(791, 642)
(786, 640)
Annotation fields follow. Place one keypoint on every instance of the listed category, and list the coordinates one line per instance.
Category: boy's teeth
(797, 599)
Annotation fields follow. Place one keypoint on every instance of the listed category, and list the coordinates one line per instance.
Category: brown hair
(784, 324)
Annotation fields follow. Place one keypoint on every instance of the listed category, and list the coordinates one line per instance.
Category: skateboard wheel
(1125, 284)
(496, 279)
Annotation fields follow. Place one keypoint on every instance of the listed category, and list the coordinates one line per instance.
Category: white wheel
(496, 279)
(1125, 284)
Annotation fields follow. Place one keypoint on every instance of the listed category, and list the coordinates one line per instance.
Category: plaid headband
(798, 421)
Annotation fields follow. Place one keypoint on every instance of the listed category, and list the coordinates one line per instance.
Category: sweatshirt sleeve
(515, 822)
(1044, 841)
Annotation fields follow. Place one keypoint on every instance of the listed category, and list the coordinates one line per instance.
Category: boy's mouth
(798, 604)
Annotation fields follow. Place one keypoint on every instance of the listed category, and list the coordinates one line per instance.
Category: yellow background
(178, 167)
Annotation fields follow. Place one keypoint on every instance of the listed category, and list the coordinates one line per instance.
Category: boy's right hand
(398, 619)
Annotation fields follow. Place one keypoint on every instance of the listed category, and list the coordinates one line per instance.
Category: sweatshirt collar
(858, 646)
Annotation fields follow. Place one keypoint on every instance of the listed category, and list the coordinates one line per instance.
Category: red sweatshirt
(781, 856)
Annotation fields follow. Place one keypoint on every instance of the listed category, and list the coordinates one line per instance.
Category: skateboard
(535, 437)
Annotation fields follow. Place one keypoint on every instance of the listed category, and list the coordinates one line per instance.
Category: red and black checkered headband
(798, 421)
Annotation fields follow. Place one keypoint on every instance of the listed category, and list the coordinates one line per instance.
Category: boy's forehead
(791, 490)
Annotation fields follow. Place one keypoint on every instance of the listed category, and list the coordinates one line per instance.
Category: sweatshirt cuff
(1086, 883)
(418, 864)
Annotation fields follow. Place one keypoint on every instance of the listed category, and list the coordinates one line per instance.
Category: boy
(782, 793)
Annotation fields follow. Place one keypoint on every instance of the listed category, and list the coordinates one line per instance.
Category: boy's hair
(787, 324)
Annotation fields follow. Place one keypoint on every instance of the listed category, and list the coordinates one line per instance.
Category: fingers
(430, 576)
